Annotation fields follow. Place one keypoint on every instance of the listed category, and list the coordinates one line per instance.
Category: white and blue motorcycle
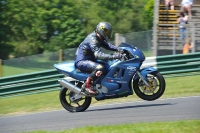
(122, 78)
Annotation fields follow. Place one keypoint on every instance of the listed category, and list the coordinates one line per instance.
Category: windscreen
(126, 45)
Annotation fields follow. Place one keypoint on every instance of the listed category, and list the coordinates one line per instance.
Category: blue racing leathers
(89, 51)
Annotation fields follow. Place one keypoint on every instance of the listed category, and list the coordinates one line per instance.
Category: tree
(21, 18)
(148, 15)
(37, 24)
(64, 28)
(5, 47)
(68, 35)
(124, 15)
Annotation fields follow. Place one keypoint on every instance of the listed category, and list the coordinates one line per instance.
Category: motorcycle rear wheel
(156, 89)
(76, 106)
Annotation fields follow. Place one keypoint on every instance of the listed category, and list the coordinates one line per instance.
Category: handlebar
(124, 57)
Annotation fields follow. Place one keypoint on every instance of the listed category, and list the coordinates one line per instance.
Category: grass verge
(186, 126)
(175, 87)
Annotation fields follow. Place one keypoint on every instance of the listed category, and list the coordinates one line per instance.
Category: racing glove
(120, 50)
(116, 56)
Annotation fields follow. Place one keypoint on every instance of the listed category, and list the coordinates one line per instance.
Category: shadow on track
(134, 106)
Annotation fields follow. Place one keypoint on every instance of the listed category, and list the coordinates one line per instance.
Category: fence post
(1, 68)
(155, 27)
(193, 37)
(174, 42)
(116, 39)
(60, 55)
(148, 40)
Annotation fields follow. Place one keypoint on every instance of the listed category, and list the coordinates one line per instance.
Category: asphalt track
(171, 109)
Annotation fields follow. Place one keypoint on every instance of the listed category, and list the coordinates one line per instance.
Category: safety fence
(35, 63)
(44, 81)
(175, 65)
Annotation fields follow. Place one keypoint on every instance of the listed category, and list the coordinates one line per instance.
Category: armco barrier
(178, 64)
(29, 83)
(47, 80)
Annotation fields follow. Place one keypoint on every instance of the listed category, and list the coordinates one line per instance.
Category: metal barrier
(29, 83)
(47, 80)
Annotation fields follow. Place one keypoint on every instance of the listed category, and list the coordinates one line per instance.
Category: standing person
(169, 4)
(89, 51)
(187, 46)
(186, 5)
(182, 20)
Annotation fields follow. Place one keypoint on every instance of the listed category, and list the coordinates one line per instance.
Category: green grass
(11, 71)
(175, 87)
(186, 126)
(148, 53)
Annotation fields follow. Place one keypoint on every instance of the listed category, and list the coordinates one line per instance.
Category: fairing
(118, 76)
(68, 69)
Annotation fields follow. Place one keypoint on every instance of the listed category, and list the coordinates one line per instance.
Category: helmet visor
(108, 33)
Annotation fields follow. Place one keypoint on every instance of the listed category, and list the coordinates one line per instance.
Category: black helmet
(105, 30)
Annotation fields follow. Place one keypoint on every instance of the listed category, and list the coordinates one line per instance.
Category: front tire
(156, 89)
(76, 106)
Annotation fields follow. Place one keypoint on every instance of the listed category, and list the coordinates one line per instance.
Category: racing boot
(89, 86)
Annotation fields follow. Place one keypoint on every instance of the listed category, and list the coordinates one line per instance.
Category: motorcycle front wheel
(78, 105)
(156, 89)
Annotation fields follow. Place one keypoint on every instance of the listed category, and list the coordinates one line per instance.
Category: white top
(187, 2)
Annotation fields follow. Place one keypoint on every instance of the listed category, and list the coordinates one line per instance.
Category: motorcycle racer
(89, 51)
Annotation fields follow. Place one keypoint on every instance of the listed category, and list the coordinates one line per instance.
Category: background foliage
(34, 26)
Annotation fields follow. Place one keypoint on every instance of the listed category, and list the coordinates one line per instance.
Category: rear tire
(77, 106)
(156, 90)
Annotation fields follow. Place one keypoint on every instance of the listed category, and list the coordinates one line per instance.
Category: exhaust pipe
(69, 86)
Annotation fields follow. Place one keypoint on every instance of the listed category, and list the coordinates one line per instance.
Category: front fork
(142, 78)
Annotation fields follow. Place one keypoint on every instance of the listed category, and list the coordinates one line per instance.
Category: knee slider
(99, 70)
(98, 73)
